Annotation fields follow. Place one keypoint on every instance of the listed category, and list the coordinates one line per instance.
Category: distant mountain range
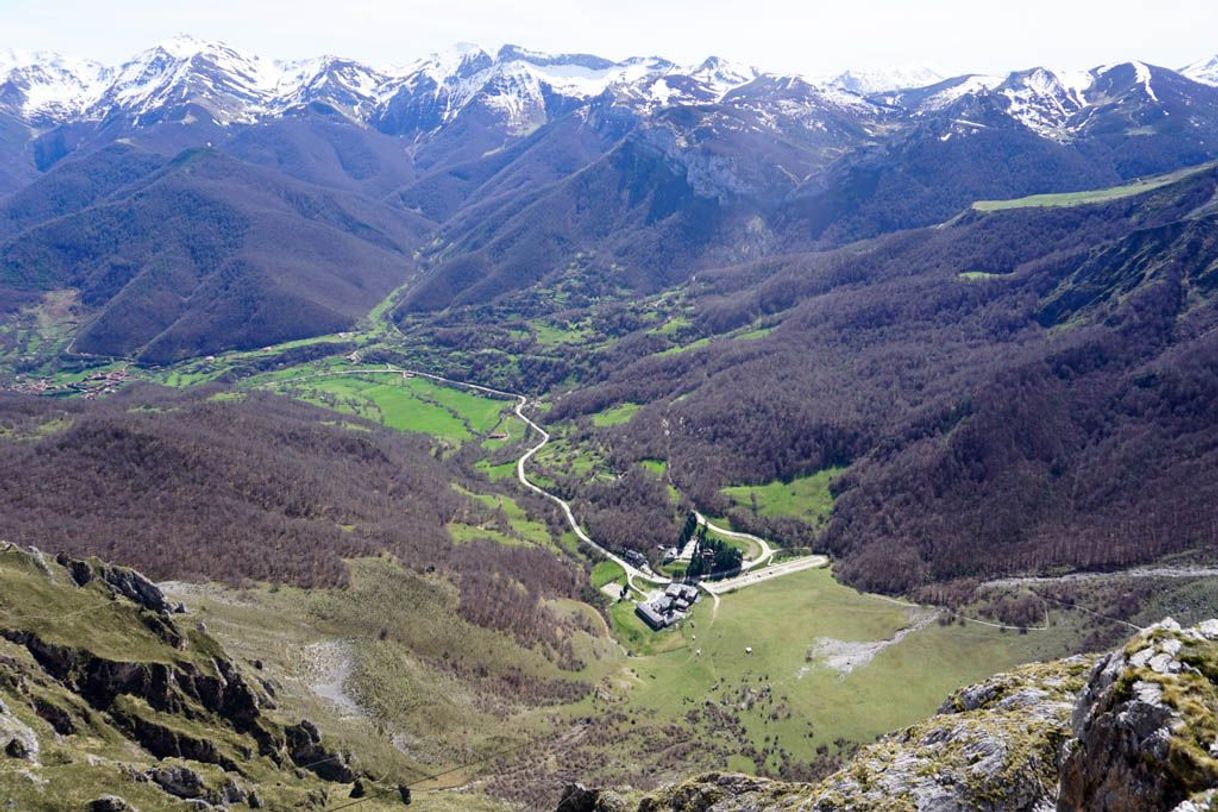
(523, 87)
(478, 173)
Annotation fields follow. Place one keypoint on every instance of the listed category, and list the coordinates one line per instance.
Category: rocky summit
(1134, 729)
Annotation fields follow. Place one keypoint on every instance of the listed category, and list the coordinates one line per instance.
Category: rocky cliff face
(111, 698)
(1136, 729)
(1146, 726)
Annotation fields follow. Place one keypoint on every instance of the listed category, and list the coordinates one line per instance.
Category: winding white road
(766, 550)
(746, 578)
(632, 572)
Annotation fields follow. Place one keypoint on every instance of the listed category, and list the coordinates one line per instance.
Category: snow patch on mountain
(946, 93)
(1144, 79)
(1204, 71)
(869, 82)
(44, 87)
(1044, 100)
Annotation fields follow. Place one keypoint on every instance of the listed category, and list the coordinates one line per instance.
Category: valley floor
(780, 671)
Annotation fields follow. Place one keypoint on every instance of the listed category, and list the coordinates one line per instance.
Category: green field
(496, 471)
(561, 456)
(510, 525)
(607, 572)
(403, 403)
(806, 498)
(656, 467)
(616, 415)
(550, 334)
(1091, 196)
(693, 345)
(672, 325)
(753, 335)
(782, 620)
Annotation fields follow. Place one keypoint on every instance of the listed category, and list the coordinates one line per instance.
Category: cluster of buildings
(91, 386)
(669, 608)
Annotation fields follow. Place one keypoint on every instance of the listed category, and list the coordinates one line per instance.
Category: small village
(90, 387)
(700, 555)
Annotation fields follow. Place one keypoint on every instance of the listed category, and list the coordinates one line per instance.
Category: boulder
(307, 751)
(578, 798)
(179, 781)
(109, 803)
(17, 739)
(1144, 725)
(17, 748)
(233, 793)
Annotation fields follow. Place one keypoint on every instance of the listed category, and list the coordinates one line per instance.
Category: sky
(811, 38)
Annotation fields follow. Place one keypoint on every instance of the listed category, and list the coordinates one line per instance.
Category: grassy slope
(409, 684)
(805, 498)
(616, 415)
(782, 618)
(1093, 195)
(73, 769)
(407, 404)
(522, 528)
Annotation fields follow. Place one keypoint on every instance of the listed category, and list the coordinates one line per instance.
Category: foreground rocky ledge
(1135, 729)
(113, 699)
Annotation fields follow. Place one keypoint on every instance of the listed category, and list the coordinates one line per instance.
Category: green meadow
(404, 403)
(1093, 195)
(793, 625)
(806, 498)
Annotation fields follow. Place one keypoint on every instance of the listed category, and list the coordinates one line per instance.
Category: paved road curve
(766, 550)
(746, 578)
(632, 572)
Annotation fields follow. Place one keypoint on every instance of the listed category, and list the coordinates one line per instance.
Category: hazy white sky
(808, 37)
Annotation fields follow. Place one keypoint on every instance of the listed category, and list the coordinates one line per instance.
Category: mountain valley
(399, 388)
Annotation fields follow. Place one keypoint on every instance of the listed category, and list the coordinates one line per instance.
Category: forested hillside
(1016, 391)
(778, 279)
(522, 418)
(258, 489)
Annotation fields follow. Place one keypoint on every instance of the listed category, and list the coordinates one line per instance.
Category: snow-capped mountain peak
(230, 85)
(1204, 71)
(721, 75)
(44, 87)
(869, 82)
(580, 75)
(459, 62)
(515, 90)
(1044, 100)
